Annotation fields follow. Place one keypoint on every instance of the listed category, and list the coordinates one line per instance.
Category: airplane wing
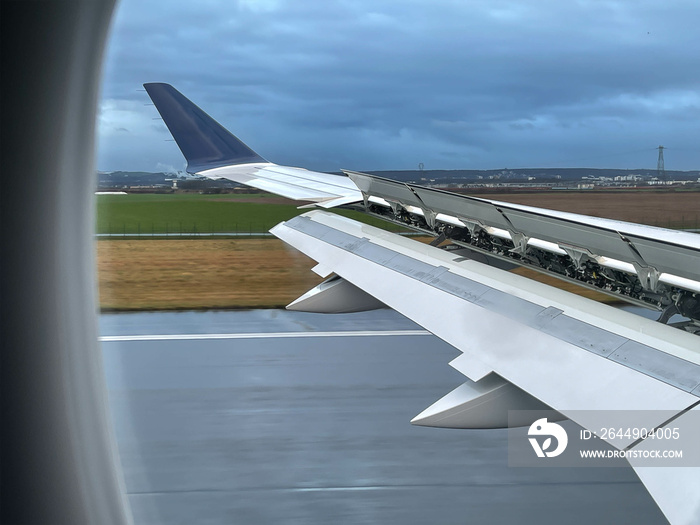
(212, 151)
(525, 345)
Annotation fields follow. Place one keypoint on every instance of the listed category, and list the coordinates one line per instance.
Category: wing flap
(654, 255)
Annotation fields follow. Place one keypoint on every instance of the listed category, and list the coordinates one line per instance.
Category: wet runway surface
(273, 426)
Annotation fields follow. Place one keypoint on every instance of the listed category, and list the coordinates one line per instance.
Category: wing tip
(204, 142)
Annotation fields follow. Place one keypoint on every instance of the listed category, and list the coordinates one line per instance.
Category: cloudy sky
(387, 85)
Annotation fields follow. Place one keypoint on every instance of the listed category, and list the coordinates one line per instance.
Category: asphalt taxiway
(281, 417)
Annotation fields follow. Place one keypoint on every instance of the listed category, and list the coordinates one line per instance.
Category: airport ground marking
(261, 335)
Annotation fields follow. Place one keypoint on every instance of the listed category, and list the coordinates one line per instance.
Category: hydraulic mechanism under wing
(651, 267)
(525, 345)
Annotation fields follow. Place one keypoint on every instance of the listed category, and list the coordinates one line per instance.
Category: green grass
(195, 213)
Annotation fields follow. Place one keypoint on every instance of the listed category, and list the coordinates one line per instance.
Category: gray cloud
(452, 84)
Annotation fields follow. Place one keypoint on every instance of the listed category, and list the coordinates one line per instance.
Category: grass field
(152, 274)
(195, 213)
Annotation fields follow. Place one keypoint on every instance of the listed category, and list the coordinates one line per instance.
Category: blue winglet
(204, 142)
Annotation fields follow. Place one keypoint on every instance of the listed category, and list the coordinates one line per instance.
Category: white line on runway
(259, 335)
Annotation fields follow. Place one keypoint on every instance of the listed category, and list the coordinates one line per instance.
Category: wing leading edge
(523, 343)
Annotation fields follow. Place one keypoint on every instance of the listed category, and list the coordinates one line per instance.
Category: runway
(280, 417)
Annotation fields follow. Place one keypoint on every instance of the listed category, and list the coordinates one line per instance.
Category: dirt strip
(182, 274)
(669, 209)
(200, 274)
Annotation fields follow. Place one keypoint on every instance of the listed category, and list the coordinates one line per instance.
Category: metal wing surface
(523, 343)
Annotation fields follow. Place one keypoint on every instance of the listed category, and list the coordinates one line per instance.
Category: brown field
(217, 274)
(675, 209)
(566, 285)
(200, 274)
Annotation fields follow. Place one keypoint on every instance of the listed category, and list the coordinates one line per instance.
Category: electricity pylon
(660, 170)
